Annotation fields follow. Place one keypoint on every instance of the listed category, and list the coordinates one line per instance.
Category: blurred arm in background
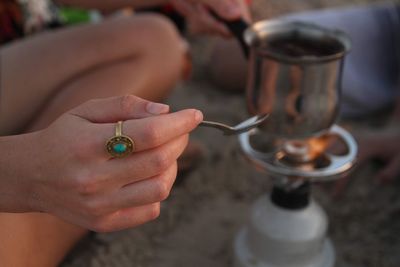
(194, 11)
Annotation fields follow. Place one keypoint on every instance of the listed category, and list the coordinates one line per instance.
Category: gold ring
(120, 145)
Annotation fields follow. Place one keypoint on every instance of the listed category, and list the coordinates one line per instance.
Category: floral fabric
(11, 21)
(22, 17)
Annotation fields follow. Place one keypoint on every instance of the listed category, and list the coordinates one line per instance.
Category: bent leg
(142, 55)
(35, 239)
(42, 240)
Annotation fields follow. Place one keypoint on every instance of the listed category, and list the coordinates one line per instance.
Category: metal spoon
(238, 129)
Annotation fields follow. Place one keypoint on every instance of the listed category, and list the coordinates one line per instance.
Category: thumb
(391, 170)
(108, 110)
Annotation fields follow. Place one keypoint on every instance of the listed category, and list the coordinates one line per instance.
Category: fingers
(185, 8)
(125, 218)
(118, 108)
(145, 192)
(367, 149)
(391, 171)
(152, 132)
(143, 165)
(131, 205)
(246, 14)
(228, 9)
(209, 22)
(199, 18)
(134, 204)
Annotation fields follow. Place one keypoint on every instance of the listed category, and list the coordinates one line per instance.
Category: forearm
(109, 5)
(16, 157)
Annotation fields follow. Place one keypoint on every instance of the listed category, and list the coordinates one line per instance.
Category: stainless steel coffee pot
(300, 90)
(294, 75)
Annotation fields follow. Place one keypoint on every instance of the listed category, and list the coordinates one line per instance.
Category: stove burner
(305, 159)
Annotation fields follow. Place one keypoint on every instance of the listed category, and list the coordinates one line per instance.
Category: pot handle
(237, 28)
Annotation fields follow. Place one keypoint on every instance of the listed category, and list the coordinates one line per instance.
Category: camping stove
(299, 88)
(287, 228)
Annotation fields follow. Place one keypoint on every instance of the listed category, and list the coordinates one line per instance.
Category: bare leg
(40, 240)
(141, 54)
(35, 240)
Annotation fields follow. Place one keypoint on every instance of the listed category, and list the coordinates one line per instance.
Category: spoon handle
(242, 127)
(217, 125)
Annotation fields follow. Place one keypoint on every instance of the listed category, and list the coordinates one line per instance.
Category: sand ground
(203, 214)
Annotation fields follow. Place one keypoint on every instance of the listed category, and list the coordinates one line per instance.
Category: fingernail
(198, 116)
(157, 108)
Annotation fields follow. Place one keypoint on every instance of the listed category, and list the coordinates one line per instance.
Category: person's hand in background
(381, 145)
(200, 20)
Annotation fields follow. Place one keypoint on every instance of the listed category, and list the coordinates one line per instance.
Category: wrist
(17, 172)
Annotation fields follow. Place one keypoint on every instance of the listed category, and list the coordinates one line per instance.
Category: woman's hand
(200, 20)
(383, 145)
(66, 170)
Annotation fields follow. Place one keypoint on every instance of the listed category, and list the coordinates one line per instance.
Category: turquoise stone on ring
(120, 146)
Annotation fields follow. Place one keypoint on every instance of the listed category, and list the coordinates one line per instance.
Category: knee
(156, 25)
(148, 35)
(157, 34)
(161, 48)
